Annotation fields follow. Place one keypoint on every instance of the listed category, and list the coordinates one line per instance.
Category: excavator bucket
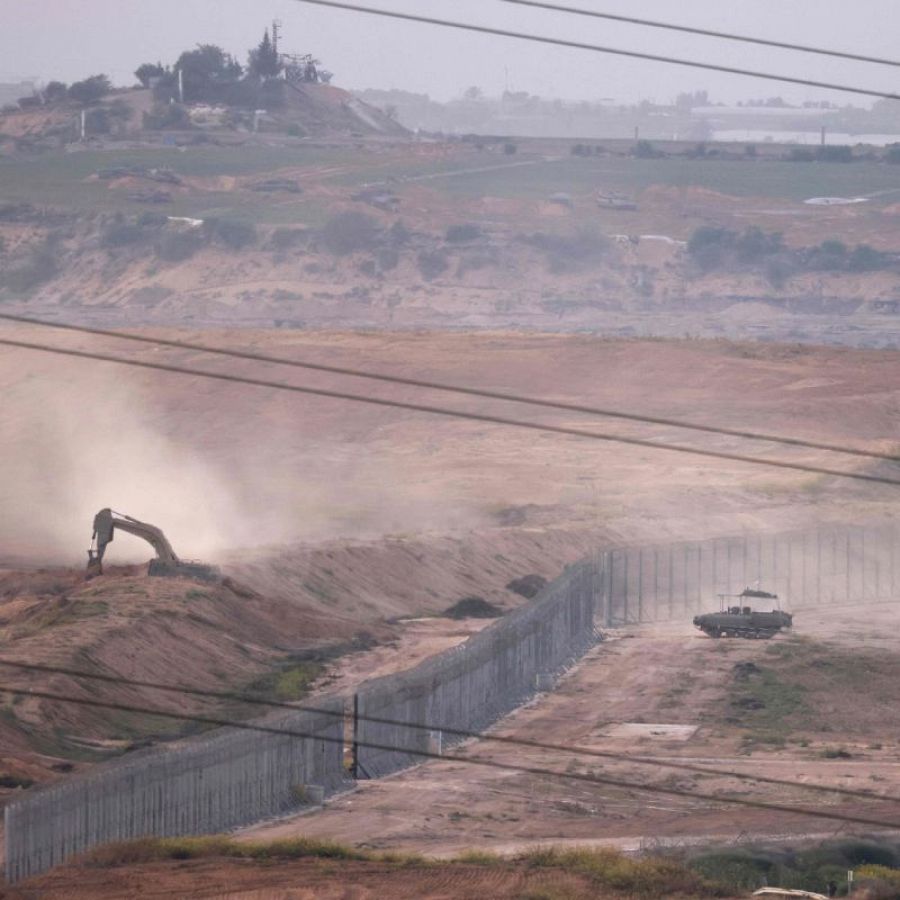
(94, 566)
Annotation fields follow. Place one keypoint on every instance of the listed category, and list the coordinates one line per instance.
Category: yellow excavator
(166, 563)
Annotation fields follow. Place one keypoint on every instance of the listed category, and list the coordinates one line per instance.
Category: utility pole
(276, 32)
(180, 85)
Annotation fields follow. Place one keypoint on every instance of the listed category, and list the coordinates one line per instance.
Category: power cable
(443, 411)
(597, 48)
(573, 750)
(468, 760)
(687, 29)
(455, 388)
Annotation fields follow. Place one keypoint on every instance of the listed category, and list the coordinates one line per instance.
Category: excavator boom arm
(105, 524)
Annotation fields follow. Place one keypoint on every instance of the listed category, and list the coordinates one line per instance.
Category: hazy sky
(69, 39)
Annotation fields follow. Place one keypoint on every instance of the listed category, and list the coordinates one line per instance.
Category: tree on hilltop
(91, 89)
(206, 71)
(264, 60)
(148, 71)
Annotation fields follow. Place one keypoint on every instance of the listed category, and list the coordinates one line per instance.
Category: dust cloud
(76, 438)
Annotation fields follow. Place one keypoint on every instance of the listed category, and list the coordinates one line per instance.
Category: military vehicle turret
(743, 621)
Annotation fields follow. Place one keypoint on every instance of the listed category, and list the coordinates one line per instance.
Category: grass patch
(767, 704)
(144, 850)
(744, 869)
(647, 877)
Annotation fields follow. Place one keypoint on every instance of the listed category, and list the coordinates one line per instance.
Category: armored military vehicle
(743, 621)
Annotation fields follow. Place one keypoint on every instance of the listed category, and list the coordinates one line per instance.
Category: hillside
(397, 234)
(319, 111)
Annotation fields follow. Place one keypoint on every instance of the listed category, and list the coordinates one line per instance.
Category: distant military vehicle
(742, 621)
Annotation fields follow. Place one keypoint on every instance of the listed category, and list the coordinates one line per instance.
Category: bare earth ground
(659, 675)
(656, 675)
(305, 880)
(352, 516)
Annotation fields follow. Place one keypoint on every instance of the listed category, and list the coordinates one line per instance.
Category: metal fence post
(640, 585)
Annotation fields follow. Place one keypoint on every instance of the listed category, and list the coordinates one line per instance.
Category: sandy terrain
(666, 675)
(361, 514)
(341, 518)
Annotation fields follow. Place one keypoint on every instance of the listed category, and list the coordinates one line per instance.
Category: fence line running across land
(829, 565)
(234, 778)
(200, 786)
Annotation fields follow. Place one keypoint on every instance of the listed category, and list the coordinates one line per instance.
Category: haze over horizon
(71, 39)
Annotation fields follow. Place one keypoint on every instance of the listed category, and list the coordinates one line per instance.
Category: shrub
(743, 870)
(148, 71)
(399, 234)
(285, 238)
(510, 149)
(834, 154)
(646, 150)
(55, 92)
(90, 90)
(892, 155)
(457, 234)
(350, 232)
(779, 269)
(121, 234)
(709, 246)
(166, 115)
(754, 244)
(648, 877)
(233, 233)
(800, 154)
(828, 256)
(39, 267)
(750, 151)
(294, 130)
(866, 259)
(565, 252)
(432, 263)
(177, 246)
(152, 219)
(387, 258)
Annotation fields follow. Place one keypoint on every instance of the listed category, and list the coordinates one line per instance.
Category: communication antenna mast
(276, 34)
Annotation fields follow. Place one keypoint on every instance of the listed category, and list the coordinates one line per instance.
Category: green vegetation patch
(635, 877)
(291, 682)
(812, 868)
(655, 876)
(766, 702)
(799, 687)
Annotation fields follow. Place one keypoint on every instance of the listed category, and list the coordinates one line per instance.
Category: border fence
(476, 683)
(202, 786)
(235, 777)
(830, 565)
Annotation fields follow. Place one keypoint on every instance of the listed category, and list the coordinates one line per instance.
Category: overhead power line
(443, 411)
(456, 388)
(573, 750)
(598, 48)
(593, 779)
(705, 32)
(455, 414)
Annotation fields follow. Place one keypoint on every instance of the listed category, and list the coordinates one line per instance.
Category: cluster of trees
(208, 74)
(720, 248)
(86, 92)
